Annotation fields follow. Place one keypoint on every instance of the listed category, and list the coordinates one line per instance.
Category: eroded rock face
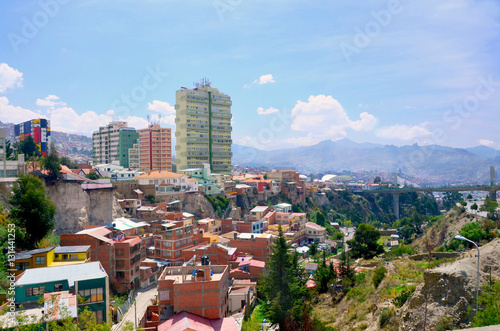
(451, 291)
(448, 296)
(76, 208)
(198, 205)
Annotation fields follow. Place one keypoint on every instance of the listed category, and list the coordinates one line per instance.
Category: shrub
(385, 316)
(473, 231)
(401, 250)
(378, 276)
(400, 300)
(489, 301)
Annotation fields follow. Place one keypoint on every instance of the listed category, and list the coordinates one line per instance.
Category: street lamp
(460, 237)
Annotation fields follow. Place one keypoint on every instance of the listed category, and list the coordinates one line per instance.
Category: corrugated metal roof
(72, 273)
(72, 249)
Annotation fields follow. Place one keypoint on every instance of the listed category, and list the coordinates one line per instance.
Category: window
(58, 287)
(120, 263)
(120, 274)
(93, 295)
(119, 251)
(74, 256)
(34, 291)
(39, 260)
(22, 266)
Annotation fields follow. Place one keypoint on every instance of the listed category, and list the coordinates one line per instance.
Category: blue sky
(298, 72)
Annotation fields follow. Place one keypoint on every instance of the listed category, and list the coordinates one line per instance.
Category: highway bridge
(396, 191)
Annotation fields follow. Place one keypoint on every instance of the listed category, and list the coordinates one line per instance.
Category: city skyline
(388, 72)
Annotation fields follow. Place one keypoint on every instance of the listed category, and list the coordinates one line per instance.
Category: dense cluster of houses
(204, 269)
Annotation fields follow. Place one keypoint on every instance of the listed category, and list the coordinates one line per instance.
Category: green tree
(474, 207)
(473, 231)
(490, 206)
(283, 286)
(377, 180)
(489, 302)
(324, 275)
(451, 198)
(412, 225)
(313, 249)
(68, 163)
(92, 175)
(28, 147)
(51, 163)
(320, 218)
(469, 196)
(364, 244)
(378, 276)
(345, 271)
(31, 210)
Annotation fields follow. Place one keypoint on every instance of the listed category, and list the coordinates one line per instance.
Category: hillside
(449, 290)
(443, 230)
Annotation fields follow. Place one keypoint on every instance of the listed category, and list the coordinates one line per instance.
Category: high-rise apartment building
(133, 157)
(38, 128)
(203, 133)
(112, 143)
(155, 148)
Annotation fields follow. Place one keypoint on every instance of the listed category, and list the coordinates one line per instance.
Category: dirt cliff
(450, 291)
(76, 208)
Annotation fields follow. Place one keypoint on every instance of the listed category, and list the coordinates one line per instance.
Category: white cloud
(403, 132)
(322, 117)
(9, 78)
(161, 107)
(50, 101)
(165, 109)
(270, 110)
(264, 79)
(15, 114)
(64, 118)
(486, 142)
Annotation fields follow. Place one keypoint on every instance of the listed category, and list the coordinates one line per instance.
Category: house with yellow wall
(51, 257)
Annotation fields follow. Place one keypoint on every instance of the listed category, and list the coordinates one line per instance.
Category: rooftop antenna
(203, 82)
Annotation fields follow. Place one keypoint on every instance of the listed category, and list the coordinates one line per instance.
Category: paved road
(350, 235)
(144, 297)
(479, 205)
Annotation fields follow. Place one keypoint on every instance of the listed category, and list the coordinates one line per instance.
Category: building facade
(119, 254)
(111, 143)
(207, 183)
(201, 290)
(134, 157)
(155, 148)
(203, 131)
(39, 129)
(89, 281)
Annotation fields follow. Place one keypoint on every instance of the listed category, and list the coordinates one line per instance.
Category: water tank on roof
(205, 260)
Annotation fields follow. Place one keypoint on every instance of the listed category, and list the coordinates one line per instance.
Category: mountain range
(427, 165)
(423, 165)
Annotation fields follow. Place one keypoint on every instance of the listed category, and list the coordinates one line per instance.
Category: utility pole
(135, 310)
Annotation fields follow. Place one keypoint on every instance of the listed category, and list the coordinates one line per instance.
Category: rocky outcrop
(198, 205)
(450, 291)
(77, 208)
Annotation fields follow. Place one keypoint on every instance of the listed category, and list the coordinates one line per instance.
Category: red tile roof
(253, 263)
(187, 321)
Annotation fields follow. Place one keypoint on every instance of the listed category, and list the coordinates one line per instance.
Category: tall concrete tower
(203, 128)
